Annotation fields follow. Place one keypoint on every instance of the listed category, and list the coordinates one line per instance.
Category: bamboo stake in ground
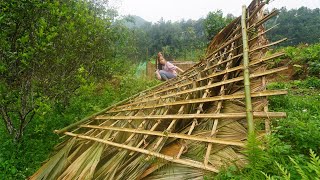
(246, 73)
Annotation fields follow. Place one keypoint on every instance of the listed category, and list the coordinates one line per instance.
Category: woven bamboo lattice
(196, 121)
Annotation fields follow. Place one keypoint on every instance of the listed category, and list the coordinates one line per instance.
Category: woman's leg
(166, 75)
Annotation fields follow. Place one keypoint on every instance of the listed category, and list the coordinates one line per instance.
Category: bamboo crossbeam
(168, 134)
(203, 100)
(237, 79)
(198, 116)
(237, 30)
(268, 45)
(147, 152)
(264, 19)
(261, 21)
(262, 33)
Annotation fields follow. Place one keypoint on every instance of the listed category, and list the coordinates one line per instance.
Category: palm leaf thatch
(184, 127)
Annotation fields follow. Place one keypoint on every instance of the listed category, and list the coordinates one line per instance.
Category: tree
(215, 21)
(298, 25)
(47, 49)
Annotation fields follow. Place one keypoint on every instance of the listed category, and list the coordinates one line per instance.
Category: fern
(314, 165)
(258, 158)
(268, 177)
(284, 172)
(299, 169)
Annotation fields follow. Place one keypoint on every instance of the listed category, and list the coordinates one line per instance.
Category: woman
(168, 70)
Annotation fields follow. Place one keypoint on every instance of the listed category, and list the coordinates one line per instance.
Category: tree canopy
(298, 25)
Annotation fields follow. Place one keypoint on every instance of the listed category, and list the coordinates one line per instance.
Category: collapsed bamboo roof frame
(206, 104)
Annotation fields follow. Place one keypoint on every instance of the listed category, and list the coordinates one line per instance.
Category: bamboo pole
(268, 45)
(186, 162)
(246, 75)
(168, 134)
(265, 108)
(201, 100)
(193, 116)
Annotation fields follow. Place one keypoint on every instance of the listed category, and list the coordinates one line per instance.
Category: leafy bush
(306, 55)
(306, 171)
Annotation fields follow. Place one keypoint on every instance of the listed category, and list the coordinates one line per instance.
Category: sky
(175, 10)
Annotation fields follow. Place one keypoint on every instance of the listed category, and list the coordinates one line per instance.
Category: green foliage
(306, 56)
(298, 25)
(305, 171)
(48, 50)
(301, 127)
(215, 21)
(257, 158)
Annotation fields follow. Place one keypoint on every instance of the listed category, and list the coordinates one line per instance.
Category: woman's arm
(179, 69)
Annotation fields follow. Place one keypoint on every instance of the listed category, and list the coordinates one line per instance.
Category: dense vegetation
(298, 25)
(183, 40)
(62, 60)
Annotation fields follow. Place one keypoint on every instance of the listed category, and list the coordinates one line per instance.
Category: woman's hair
(159, 55)
(158, 61)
